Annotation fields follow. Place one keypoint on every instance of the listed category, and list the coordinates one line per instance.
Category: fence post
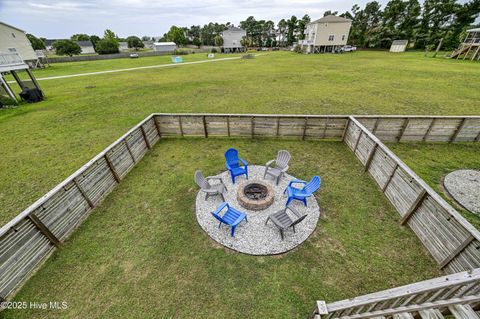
(304, 128)
(157, 125)
(429, 129)
(370, 157)
(384, 188)
(346, 129)
(416, 204)
(44, 230)
(205, 132)
(459, 128)
(84, 194)
(402, 130)
(145, 137)
(129, 151)
(228, 126)
(112, 169)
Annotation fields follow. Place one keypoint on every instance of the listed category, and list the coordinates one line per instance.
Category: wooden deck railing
(28, 239)
(458, 289)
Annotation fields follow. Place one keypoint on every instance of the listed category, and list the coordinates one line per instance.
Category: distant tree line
(422, 24)
(107, 45)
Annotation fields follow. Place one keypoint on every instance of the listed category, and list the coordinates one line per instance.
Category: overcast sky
(61, 19)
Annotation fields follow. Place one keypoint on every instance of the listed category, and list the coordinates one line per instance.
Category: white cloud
(57, 19)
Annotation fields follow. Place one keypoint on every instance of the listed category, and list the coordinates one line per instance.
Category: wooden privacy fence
(31, 236)
(426, 298)
(396, 128)
(452, 241)
(252, 125)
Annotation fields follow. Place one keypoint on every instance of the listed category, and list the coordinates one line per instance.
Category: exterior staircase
(454, 296)
(469, 51)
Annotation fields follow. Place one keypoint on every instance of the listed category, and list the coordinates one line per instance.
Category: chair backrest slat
(313, 185)
(283, 158)
(201, 181)
(231, 155)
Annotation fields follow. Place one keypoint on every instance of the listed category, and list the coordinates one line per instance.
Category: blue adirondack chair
(233, 164)
(302, 193)
(231, 217)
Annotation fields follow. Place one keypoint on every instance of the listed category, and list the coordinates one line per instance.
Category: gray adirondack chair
(208, 188)
(283, 221)
(277, 168)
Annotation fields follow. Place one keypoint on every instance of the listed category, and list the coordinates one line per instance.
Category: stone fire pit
(255, 194)
(254, 237)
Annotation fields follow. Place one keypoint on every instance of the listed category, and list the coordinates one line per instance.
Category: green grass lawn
(43, 143)
(141, 254)
(432, 161)
(66, 68)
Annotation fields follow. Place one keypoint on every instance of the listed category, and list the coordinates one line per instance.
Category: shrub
(298, 49)
(66, 47)
(180, 52)
(213, 50)
(135, 42)
(106, 47)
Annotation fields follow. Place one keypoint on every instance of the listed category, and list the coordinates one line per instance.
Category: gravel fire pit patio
(254, 237)
(464, 186)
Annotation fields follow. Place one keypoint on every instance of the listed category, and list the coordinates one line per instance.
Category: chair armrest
(269, 163)
(285, 169)
(210, 191)
(244, 162)
(220, 208)
(218, 178)
(296, 181)
(228, 166)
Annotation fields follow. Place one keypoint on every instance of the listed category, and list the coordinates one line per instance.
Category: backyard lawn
(44, 143)
(432, 161)
(141, 254)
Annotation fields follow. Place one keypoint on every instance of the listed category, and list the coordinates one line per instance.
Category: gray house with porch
(232, 38)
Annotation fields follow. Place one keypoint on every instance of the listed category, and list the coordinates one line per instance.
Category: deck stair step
(463, 312)
(431, 314)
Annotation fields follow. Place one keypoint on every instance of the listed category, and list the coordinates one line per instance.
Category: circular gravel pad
(464, 186)
(254, 237)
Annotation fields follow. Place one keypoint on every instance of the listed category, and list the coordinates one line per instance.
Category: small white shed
(399, 46)
(164, 46)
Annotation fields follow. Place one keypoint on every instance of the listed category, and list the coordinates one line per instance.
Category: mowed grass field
(141, 254)
(43, 143)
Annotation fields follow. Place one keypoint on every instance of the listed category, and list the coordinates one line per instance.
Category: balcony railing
(305, 42)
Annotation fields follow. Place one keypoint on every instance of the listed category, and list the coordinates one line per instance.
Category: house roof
(331, 19)
(165, 43)
(400, 42)
(84, 43)
(234, 29)
(49, 42)
(11, 26)
(474, 30)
